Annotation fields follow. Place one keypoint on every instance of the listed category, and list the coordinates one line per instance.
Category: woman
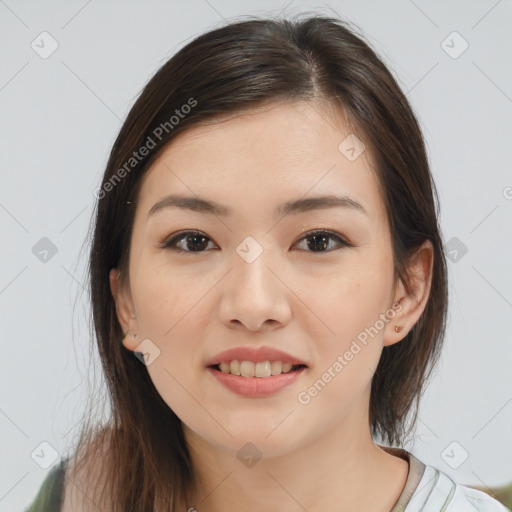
(267, 246)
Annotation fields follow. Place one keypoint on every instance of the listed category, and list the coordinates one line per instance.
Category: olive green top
(50, 495)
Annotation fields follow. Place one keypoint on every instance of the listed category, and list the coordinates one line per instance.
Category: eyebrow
(205, 206)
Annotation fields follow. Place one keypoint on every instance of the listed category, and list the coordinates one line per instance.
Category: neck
(342, 469)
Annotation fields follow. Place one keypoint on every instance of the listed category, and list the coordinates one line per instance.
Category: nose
(254, 296)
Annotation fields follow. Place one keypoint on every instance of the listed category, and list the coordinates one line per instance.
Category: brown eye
(318, 241)
(195, 241)
(188, 241)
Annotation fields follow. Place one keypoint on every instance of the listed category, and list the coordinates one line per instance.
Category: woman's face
(253, 278)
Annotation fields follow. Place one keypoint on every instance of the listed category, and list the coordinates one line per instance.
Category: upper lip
(255, 354)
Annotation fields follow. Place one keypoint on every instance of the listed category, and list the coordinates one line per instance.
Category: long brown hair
(238, 67)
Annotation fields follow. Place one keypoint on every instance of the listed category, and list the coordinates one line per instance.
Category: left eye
(197, 241)
(320, 239)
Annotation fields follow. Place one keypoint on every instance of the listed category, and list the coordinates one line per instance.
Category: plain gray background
(59, 118)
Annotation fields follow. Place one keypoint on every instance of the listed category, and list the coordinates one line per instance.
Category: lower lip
(255, 387)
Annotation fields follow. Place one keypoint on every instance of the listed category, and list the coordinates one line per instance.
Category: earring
(398, 328)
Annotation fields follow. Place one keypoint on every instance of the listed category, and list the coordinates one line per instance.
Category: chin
(256, 441)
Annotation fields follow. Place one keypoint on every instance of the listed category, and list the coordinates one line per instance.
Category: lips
(256, 387)
(254, 354)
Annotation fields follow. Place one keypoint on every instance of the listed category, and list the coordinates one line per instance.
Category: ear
(125, 310)
(412, 305)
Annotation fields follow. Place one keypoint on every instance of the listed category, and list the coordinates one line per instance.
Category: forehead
(263, 158)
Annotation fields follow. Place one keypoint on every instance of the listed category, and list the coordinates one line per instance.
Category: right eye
(195, 240)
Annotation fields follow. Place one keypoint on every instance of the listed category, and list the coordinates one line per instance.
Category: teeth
(250, 369)
(234, 367)
(276, 367)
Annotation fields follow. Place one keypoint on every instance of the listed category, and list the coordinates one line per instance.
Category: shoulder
(475, 500)
(84, 477)
(439, 492)
(49, 496)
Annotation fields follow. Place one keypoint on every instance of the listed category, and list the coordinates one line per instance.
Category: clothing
(426, 490)
(50, 495)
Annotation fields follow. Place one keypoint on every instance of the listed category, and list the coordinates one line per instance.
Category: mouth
(256, 370)
(255, 380)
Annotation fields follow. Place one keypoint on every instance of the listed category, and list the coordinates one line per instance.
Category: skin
(318, 456)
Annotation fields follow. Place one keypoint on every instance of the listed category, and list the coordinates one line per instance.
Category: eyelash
(170, 244)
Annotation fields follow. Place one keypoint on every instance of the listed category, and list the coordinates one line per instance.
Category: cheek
(347, 338)
(164, 297)
(171, 314)
(346, 299)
